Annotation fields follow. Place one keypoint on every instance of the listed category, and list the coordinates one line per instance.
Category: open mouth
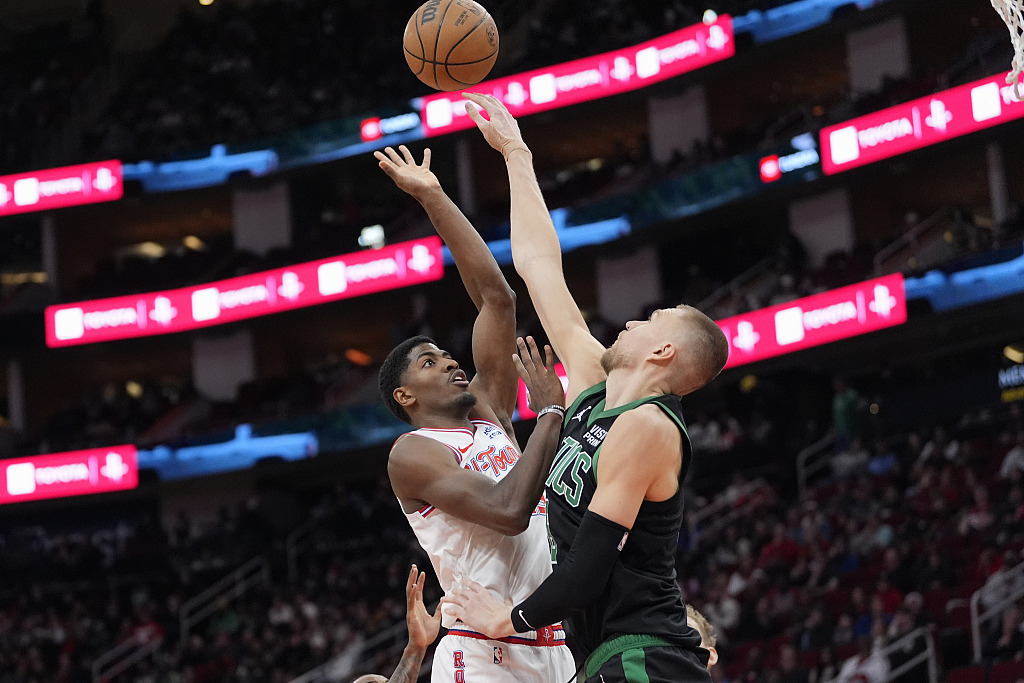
(459, 378)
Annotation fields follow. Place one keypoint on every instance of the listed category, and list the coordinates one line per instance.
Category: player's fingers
(406, 154)
(476, 97)
(549, 356)
(393, 155)
(387, 167)
(426, 159)
(534, 352)
(474, 115)
(524, 354)
(520, 368)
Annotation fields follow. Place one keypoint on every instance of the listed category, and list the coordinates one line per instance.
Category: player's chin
(466, 399)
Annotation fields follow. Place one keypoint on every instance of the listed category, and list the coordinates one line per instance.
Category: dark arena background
(202, 268)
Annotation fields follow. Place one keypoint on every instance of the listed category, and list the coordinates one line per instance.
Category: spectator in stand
(843, 633)
(826, 668)
(940, 448)
(896, 570)
(790, 670)
(1005, 642)
(722, 609)
(891, 598)
(815, 632)
(781, 552)
(902, 624)
(845, 413)
(933, 571)
(1013, 461)
(867, 666)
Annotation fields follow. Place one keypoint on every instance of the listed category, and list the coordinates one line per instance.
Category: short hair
(711, 348)
(703, 626)
(390, 376)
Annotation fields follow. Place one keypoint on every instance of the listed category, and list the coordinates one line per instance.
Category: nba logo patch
(497, 655)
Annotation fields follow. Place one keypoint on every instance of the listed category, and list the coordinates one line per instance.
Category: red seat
(1006, 672)
(967, 674)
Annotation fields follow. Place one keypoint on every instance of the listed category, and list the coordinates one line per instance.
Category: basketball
(451, 44)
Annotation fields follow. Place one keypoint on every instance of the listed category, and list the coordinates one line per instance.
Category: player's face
(640, 338)
(436, 380)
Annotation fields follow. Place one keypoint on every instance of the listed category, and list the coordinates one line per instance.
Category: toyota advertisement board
(56, 188)
(590, 78)
(75, 473)
(815, 320)
(248, 296)
(919, 123)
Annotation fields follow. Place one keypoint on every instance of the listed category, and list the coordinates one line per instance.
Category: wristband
(553, 408)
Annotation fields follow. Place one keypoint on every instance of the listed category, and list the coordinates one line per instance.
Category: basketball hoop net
(1011, 13)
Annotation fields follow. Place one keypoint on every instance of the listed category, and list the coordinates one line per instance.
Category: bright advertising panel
(919, 123)
(248, 296)
(589, 78)
(815, 320)
(56, 188)
(75, 473)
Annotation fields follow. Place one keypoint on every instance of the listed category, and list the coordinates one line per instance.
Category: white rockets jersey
(511, 566)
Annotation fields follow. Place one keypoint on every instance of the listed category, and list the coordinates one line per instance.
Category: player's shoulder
(647, 416)
(417, 448)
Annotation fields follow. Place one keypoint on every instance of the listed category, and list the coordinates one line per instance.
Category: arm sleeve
(579, 580)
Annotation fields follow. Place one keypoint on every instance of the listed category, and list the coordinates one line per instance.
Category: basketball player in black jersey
(614, 490)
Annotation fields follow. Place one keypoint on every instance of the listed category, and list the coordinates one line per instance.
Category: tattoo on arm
(408, 670)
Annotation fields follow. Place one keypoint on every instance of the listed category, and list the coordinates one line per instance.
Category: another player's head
(682, 345)
(706, 631)
(418, 379)
(371, 678)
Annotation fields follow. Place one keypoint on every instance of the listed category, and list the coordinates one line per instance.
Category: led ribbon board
(919, 123)
(249, 296)
(590, 78)
(74, 473)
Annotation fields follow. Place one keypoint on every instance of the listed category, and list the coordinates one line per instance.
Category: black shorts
(657, 664)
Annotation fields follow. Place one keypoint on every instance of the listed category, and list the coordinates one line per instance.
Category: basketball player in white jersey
(472, 498)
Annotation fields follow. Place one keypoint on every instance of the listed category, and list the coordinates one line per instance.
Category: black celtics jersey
(642, 596)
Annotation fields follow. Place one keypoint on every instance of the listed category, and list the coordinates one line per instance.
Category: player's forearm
(534, 240)
(521, 488)
(408, 669)
(480, 273)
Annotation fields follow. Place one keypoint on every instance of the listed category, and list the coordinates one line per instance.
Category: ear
(404, 397)
(713, 659)
(664, 354)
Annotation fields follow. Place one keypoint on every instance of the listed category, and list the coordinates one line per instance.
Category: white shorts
(464, 658)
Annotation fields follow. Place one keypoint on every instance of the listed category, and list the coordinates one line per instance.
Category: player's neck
(443, 421)
(625, 385)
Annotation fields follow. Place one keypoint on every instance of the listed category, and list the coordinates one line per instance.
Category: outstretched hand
(416, 179)
(423, 626)
(477, 607)
(502, 130)
(543, 386)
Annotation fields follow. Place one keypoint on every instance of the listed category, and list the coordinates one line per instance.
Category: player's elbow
(501, 298)
(510, 524)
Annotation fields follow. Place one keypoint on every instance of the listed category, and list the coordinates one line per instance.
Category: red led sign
(248, 296)
(75, 473)
(590, 78)
(919, 123)
(56, 188)
(815, 320)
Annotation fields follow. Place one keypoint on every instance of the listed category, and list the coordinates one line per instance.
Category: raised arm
(425, 472)
(494, 331)
(536, 253)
